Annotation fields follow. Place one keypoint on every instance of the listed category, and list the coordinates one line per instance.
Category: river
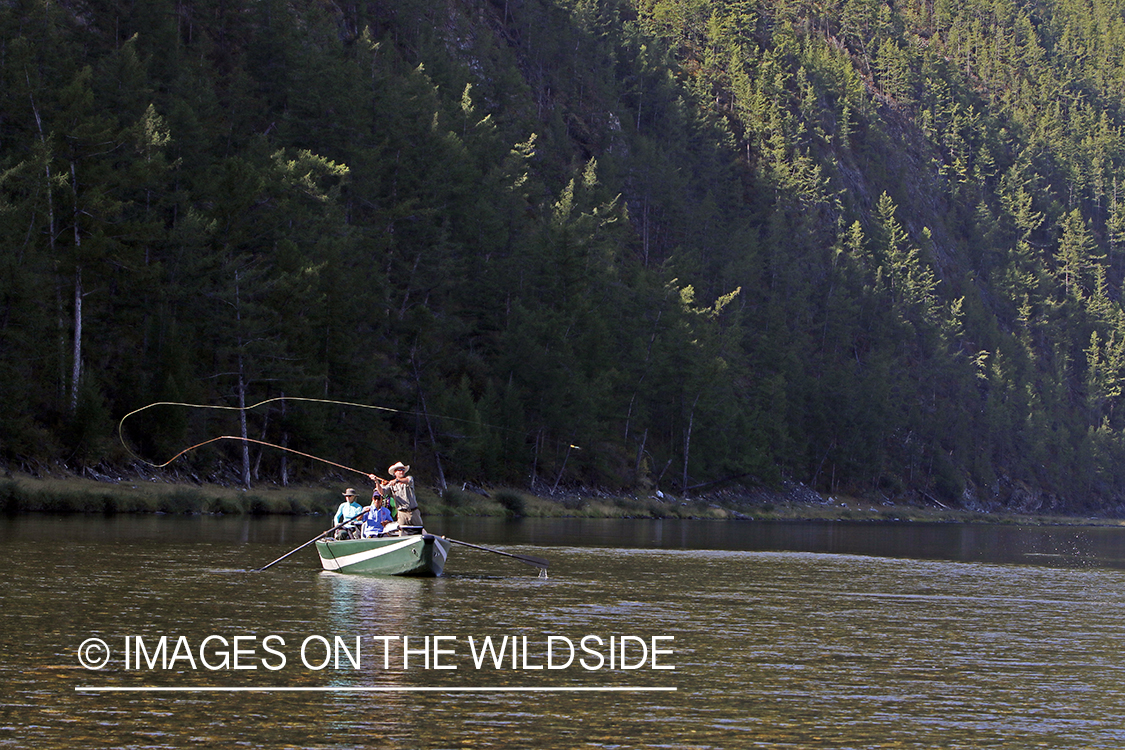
(672, 634)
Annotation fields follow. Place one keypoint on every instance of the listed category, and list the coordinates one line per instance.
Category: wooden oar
(315, 538)
(538, 562)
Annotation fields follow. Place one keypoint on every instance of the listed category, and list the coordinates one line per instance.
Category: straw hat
(349, 492)
(396, 466)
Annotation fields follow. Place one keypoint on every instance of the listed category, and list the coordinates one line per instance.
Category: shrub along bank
(72, 494)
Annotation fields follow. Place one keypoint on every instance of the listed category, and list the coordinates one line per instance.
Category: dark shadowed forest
(876, 248)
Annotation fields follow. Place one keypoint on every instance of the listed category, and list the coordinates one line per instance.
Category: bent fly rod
(333, 402)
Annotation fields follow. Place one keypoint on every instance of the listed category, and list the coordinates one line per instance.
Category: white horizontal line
(386, 689)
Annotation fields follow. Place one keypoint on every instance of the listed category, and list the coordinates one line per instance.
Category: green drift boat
(413, 555)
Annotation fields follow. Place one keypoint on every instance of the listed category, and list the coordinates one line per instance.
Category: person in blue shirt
(348, 509)
(377, 516)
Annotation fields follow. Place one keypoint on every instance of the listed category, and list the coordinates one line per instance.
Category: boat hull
(415, 555)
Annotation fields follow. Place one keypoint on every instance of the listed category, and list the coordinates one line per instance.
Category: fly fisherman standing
(402, 489)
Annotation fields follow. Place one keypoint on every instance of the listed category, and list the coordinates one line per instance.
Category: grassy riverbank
(72, 494)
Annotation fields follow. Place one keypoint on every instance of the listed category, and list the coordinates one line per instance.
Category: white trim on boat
(336, 563)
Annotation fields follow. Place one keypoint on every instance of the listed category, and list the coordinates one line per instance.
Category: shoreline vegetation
(68, 493)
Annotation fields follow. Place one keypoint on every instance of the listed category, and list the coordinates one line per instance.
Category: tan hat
(396, 466)
(349, 492)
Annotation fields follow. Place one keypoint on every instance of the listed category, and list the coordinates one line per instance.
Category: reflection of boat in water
(412, 555)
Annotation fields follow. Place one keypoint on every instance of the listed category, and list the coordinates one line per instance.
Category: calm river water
(684, 635)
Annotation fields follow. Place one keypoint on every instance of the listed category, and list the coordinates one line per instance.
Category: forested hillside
(874, 247)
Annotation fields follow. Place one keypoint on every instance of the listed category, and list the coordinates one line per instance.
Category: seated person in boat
(376, 518)
(401, 489)
(348, 510)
